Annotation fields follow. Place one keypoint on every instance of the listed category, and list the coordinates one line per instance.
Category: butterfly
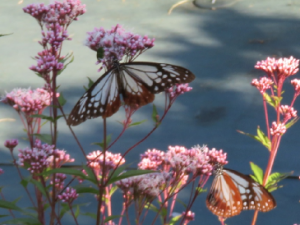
(136, 82)
(231, 192)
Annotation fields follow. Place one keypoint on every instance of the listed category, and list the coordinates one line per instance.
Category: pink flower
(283, 67)
(60, 156)
(96, 159)
(277, 129)
(178, 89)
(27, 100)
(1, 171)
(188, 216)
(69, 195)
(287, 112)
(296, 84)
(151, 159)
(263, 84)
(117, 43)
(59, 180)
(11, 144)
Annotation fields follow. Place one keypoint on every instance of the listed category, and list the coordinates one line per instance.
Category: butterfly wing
(101, 99)
(157, 77)
(224, 198)
(232, 192)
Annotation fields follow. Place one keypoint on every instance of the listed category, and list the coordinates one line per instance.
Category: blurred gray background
(220, 46)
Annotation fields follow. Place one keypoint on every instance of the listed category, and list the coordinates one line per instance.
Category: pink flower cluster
(277, 129)
(69, 195)
(117, 43)
(288, 112)
(46, 62)
(41, 157)
(11, 144)
(296, 84)
(62, 13)
(27, 100)
(178, 89)
(284, 67)
(151, 159)
(148, 185)
(96, 160)
(263, 84)
(188, 216)
(59, 181)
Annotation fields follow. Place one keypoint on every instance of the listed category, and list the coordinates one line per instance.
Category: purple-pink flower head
(117, 43)
(263, 84)
(59, 181)
(288, 112)
(62, 13)
(11, 144)
(188, 216)
(178, 89)
(1, 171)
(151, 159)
(283, 67)
(96, 160)
(68, 196)
(296, 84)
(27, 100)
(60, 157)
(277, 129)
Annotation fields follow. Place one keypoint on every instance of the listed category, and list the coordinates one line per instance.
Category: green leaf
(109, 218)
(201, 190)
(100, 53)
(90, 190)
(61, 99)
(175, 219)
(2, 35)
(137, 123)
(273, 180)
(151, 207)
(155, 116)
(64, 170)
(263, 139)
(25, 221)
(258, 172)
(24, 183)
(101, 144)
(277, 100)
(90, 84)
(119, 170)
(47, 138)
(44, 117)
(77, 211)
(112, 190)
(64, 208)
(181, 202)
(90, 174)
(269, 99)
(65, 66)
(292, 122)
(92, 215)
(9, 205)
(130, 173)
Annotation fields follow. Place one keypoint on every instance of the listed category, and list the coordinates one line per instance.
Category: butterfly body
(135, 83)
(231, 192)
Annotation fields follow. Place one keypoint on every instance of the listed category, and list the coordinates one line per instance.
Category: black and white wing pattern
(136, 82)
(231, 192)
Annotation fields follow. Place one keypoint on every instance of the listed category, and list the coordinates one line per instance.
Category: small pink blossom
(283, 67)
(96, 158)
(69, 195)
(117, 43)
(188, 216)
(296, 84)
(151, 159)
(11, 144)
(277, 129)
(288, 112)
(59, 181)
(178, 89)
(1, 171)
(27, 100)
(60, 156)
(263, 84)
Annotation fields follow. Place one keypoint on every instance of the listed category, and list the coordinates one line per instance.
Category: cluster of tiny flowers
(27, 100)
(217, 156)
(60, 157)
(35, 158)
(283, 66)
(277, 129)
(62, 13)
(59, 181)
(151, 159)
(263, 84)
(296, 84)
(148, 185)
(46, 62)
(288, 112)
(69, 195)
(11, 144)
(188, 216)
(117, 43)
(178, 89)
(96, 158)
